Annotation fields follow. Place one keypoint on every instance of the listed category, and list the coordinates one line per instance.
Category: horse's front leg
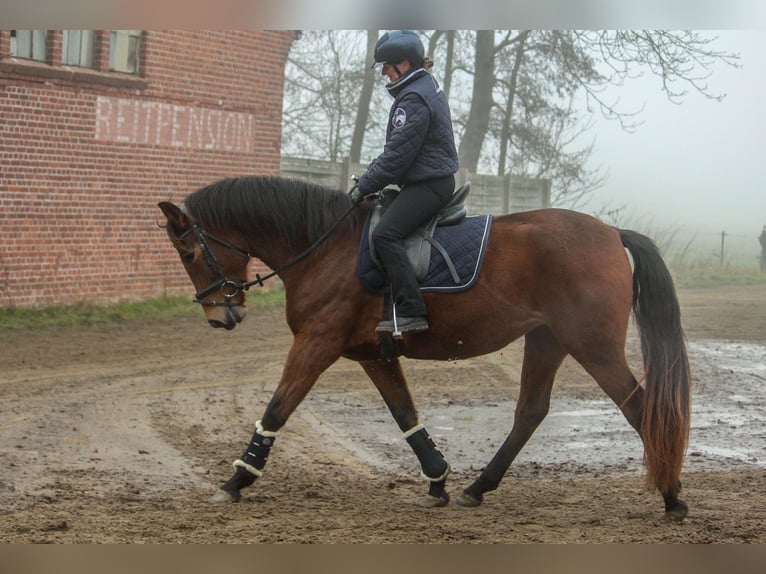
(306, 360)
(389, 379)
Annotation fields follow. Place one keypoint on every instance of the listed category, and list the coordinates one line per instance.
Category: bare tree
(448, 68)
(365, 97)
(505, 134)
(522, 101)
(525, 85)
(540, 129)
(477, 123)
(682, 60)
(323, 81)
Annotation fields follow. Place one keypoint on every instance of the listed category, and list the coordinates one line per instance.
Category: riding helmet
(397, 45)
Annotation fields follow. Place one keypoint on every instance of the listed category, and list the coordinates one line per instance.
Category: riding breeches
(414, 205)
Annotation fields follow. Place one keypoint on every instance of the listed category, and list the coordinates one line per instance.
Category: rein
(230, 287)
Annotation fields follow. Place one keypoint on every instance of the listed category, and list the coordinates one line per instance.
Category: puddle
(579, 436)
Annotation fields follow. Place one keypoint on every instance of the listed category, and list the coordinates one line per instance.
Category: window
(29, 44)
(77, 48)
(123, 50)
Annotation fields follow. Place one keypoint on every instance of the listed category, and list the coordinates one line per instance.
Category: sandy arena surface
(122, 433)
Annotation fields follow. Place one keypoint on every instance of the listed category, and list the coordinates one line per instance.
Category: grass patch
(717, 277)
(83, 314)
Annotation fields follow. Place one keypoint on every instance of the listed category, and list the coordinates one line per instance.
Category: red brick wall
(85, 155)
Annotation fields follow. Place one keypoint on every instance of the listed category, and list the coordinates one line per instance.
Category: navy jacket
(420, 144)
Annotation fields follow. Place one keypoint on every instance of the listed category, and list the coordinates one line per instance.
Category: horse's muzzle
(230, 317)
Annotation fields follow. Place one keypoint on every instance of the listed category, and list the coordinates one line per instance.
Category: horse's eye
(187, 258)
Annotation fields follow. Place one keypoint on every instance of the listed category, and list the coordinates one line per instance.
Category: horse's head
(217, 268)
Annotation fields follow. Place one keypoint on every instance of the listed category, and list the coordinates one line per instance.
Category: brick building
(97, 126)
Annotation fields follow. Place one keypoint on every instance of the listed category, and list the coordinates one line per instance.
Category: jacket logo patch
(399, 118)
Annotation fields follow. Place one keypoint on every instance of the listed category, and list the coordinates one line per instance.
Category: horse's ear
(178, 221)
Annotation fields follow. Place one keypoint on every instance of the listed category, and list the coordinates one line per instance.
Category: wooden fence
(489, 193)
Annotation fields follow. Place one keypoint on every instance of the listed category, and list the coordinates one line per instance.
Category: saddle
(420, 242)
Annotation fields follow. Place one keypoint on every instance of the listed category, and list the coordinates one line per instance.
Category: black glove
(356, 195)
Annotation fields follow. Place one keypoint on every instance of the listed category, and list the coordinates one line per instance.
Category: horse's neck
(273, 252)
(321, 264)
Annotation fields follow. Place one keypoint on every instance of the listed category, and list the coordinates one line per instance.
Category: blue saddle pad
(465, 243)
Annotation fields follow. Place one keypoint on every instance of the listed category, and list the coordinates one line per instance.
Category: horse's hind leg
(616, 379)
(542, 358)
(389, 379)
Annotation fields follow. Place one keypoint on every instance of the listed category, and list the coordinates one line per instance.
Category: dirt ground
(122, 433)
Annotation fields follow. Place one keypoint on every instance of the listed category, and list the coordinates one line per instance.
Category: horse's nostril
(235, 314)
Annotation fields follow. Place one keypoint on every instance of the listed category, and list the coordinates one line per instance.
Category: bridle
(231, 287)
(228, 287)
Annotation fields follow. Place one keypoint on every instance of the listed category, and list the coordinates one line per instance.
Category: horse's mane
(296, 211)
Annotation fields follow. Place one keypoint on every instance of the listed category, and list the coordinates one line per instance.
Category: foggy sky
(700, 165)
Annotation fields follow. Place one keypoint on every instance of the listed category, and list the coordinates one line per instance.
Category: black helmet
(398, 45)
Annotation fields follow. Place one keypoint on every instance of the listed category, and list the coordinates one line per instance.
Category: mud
(121, 434)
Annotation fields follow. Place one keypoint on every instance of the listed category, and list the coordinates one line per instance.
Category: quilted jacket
(420, 144)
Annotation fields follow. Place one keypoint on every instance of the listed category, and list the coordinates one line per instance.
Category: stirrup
(402, 325)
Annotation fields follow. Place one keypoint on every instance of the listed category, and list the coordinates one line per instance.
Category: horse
(560, 278)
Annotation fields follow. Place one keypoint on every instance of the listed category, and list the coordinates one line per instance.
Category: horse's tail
(666, 413)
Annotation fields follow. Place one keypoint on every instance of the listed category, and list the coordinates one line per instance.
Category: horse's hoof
(468, 500)
(223, 496)
(677, 513)
(429, 501)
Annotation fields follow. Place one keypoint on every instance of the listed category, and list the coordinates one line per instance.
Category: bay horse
(559, 278)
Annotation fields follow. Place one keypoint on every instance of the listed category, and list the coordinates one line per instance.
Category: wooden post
(345, 174)
(723, 236)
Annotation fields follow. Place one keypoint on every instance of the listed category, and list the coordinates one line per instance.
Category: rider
(420, 157)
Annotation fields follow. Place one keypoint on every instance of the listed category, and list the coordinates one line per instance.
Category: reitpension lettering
(154, 123)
